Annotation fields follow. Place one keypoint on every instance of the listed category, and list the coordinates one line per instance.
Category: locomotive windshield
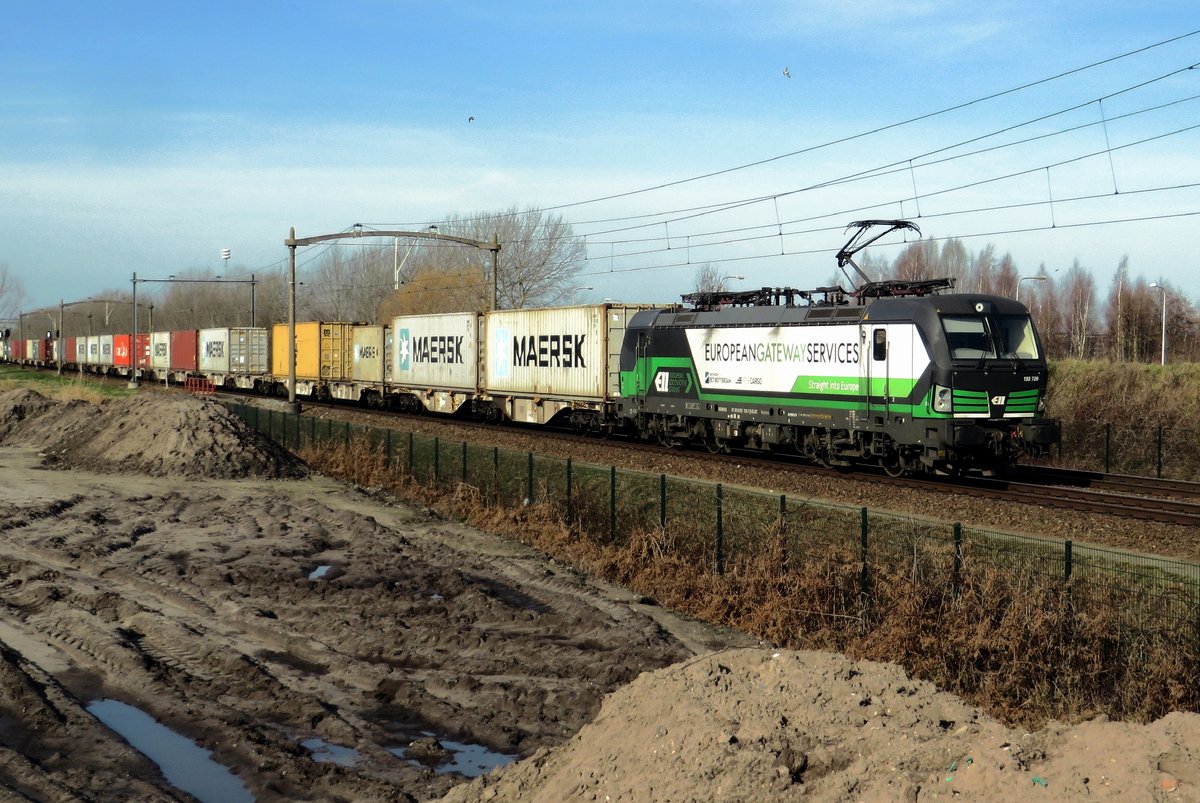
(980, 337)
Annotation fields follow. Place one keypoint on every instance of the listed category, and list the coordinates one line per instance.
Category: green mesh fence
(879, 556)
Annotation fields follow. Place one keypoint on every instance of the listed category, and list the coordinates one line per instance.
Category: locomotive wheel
(894, 468)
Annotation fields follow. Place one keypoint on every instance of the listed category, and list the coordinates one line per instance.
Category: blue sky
(147, 136)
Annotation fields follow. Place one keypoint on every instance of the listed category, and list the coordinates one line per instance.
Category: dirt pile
(160, 434)
(753, 724)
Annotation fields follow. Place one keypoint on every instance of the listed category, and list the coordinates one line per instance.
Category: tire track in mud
(195, 603)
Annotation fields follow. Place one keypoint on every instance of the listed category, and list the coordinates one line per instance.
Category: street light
(1163, 290)
(575, 290)
(1038, 278)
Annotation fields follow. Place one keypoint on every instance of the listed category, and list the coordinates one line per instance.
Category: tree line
(374, 280)
(1075, 317)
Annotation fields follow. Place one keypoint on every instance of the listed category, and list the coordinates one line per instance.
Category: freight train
(901, 375)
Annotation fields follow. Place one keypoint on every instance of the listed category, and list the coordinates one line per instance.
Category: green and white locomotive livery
(911, 382)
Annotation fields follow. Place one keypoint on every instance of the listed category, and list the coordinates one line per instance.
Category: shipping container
(71, 348)
(367, 356)
(30, 352)
(81, 350)
(436, 351)
(185, 350)
(249, 352)
(142, 350)
(567, 352)
(122, 353)
(106, 350)
(239, 350)
(323, 351)
(160, 350)
(540, 363)
(93, 350)
(214, 351)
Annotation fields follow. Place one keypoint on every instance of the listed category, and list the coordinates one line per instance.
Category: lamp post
(575, 290)
(1038, 278)
(1163, 290)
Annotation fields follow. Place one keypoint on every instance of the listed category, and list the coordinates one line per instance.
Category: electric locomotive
(895, 374)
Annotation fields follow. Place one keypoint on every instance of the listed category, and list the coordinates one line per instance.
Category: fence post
(410, 453)
(387, 450)
(570, 501)
(1160, 434)
(612, 504)
(956, 579)
(464, 463)
(347, 433)
(720, 530)
(496, 471)
(864, 579)
(1107, 447)
(529, 479)
(437, 459)
(1067, 559)
(662, 501)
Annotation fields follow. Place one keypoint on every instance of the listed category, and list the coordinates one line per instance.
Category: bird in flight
(470, 119)
(787, 73)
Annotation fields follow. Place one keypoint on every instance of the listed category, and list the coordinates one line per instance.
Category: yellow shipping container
(324, 350)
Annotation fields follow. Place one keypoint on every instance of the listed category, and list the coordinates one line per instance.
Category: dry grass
(1112, 412)
(1022, 649)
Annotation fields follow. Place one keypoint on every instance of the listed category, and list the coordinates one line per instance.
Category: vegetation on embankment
(1022, 645)
(1127, 417)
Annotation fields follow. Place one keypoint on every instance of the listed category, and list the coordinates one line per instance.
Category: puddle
(319, 572)
(184, 764)
(471, 760)
(323, 751)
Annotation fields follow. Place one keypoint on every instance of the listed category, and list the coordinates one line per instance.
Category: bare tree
(539, 258)
(709, 279)
(432, 290)
(1079, 299)
(12, 293)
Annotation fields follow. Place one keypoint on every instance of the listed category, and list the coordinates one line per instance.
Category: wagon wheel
(893, 466)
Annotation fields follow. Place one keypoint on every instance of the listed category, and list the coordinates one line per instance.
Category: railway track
(1121, 496)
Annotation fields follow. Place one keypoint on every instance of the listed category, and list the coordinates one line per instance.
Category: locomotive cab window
(879, 350)
(968, 337)
(1017, 340)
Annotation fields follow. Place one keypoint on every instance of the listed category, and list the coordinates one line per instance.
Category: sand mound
(18, 405)
(752, 725)
(151, 433)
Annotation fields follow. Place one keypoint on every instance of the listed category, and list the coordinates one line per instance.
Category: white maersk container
(436, 358)
(540, 362)
(106, 350)
(241, 351)
(81, 350)
(93, 349)
(160, 351)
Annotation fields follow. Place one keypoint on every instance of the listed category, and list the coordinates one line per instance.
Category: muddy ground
(181, 572)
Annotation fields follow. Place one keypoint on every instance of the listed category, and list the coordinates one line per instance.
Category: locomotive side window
(1016, 337)
(879, 350)
(968, 337)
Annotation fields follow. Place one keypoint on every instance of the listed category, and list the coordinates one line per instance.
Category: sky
(148, 136)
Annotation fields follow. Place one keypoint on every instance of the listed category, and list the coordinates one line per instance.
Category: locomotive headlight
(941, 399)
(1041, 404)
